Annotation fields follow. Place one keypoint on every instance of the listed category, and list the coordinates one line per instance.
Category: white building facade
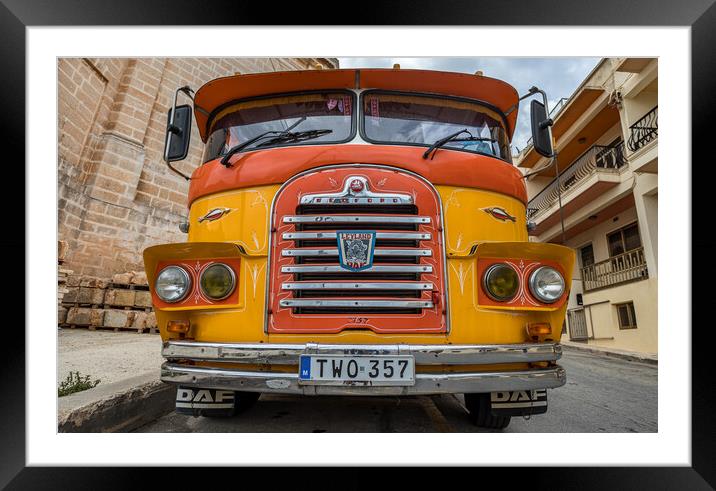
(606, 137)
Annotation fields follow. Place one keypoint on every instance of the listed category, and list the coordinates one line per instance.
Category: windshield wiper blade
(294, 137)
(453, 138)
(443, 141)
(237, 148)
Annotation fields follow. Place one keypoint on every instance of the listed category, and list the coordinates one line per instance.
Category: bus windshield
(422, 120)
(245, 120)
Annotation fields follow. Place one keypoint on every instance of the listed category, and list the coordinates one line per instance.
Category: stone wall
(115, 194)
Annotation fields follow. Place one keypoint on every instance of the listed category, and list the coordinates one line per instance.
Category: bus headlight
(546, 284)
(501, 282)
(173, 284)
(218, 281)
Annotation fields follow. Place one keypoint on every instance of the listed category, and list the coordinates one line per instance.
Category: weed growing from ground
(75, 383)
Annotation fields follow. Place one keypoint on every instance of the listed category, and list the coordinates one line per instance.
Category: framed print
(46, 43)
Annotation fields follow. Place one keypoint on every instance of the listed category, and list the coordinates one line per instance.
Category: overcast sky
(558, 77)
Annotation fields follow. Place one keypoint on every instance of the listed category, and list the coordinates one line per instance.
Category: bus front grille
(312, 290)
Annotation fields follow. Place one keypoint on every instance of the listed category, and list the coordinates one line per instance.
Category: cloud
(557, 76)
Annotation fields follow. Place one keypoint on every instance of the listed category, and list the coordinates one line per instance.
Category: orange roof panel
(221, 91)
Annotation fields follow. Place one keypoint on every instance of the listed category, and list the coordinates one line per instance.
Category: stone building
(115, 194)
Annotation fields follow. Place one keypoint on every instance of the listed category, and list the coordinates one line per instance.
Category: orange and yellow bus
(358, 232)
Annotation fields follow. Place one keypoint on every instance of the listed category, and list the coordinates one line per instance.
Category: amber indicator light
(178, 326)
(539, 329)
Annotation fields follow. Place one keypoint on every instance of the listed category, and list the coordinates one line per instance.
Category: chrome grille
(392, 285)
(309, 291)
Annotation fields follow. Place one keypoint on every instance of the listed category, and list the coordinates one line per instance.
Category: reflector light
(539, 329)
(181, 327)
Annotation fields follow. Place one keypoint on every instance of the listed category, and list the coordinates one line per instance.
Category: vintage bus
(360, 233)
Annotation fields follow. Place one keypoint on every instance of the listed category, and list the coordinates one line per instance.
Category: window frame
(631, 313)
(620, 230)
(353, 131)
(495, 109)
(581, 257)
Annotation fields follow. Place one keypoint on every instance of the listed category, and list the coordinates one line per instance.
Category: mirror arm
(176, 171)
(533, 90)
(547, 122)
(172, 129)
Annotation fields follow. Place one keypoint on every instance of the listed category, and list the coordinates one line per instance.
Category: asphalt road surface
(602, 394)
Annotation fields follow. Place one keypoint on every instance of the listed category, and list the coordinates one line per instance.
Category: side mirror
(541, 129)
(176, 146)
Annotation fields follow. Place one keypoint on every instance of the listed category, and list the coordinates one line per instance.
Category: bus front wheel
(478, 406)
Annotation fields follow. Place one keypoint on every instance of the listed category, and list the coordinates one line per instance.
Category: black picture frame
(700, 15)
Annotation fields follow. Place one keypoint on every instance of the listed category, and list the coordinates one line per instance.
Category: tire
(242, 402)
(478, 405)
(245, 400)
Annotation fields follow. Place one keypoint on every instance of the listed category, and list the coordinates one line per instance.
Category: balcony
(586, 174)
(624, 268)
(644, 130)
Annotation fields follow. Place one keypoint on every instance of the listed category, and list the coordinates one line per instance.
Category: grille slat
(375, 209)
(334, 252)
(320, 303)
(334, 268)
(333, 235)
(331, 272)
(332, 226)
(355, 219)
(357, 294)
(357, 286)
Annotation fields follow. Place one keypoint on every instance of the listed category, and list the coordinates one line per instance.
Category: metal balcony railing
(644, 130)
(626, 267)
(558, 106)
(597, 157)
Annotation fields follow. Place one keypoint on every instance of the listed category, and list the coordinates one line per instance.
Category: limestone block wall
(115, 194)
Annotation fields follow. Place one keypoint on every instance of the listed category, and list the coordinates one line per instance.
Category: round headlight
(501, 282)
(218, 281)
(546, 284)
(173, 284)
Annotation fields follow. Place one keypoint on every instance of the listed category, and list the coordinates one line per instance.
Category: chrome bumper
(177, 372)
(425, 354)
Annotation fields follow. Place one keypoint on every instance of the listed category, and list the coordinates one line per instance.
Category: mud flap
(519, 403)
(204, 402)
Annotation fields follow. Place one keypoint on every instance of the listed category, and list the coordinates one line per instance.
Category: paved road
(602, 395)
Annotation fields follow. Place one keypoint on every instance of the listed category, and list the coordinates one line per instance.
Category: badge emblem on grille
(357, 191)
(355, 249)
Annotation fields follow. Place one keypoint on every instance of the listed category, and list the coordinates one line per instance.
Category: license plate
(357, 370)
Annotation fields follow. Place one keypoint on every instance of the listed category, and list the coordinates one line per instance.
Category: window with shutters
(627, 315)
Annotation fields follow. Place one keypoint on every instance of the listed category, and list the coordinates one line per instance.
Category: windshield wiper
(453, 138)
(237, 148)
(294, 137)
